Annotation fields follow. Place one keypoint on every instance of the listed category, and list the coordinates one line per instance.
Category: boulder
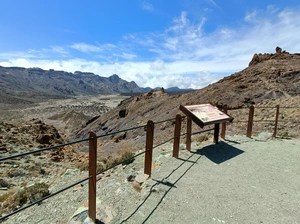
(123, 113)
(43, 139)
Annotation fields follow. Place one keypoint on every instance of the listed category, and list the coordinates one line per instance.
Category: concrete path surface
(239, 180)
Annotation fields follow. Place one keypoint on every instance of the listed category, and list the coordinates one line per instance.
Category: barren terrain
(270, 80)
(65, 114)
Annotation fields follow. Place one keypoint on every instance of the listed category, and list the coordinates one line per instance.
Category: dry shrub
(4, 197)
(107, 162)
(127, 157)
(13, 201)
(202, 138)
(84, 166)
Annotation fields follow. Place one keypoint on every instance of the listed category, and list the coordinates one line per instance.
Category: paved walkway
(241, 180)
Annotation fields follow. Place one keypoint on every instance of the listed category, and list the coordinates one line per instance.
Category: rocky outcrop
(258, 58)
(28, 136)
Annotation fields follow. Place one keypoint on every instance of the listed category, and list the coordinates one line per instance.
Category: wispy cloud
(147, 6)
(250, 16)
(60, 50)
(88, 48)
(182, 55)
(213, 2)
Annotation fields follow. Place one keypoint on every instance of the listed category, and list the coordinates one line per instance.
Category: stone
(136, 186)
(141, 178)
(43, 139)
(4, 183)
(3, 149)
(77, 187)
(278, 50)
(123, 113)
(130, 178)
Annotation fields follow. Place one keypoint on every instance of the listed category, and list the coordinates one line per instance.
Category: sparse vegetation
(284, 135)
(202, 138)
(127, 157)
(14, 200)
(107, 162)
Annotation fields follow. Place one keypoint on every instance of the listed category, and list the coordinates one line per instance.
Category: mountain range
(28, 84)
(270, 79)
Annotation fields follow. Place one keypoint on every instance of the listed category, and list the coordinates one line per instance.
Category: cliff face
(21, 84)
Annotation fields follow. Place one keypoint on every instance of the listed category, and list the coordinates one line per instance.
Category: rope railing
(251, 119)
(262, 107)
(124, 130)
(158, 122)
(42, 199)
(121, 162)
(160, 144)
(199, 132)
(91, 139)
(149, 128)
(42, 149)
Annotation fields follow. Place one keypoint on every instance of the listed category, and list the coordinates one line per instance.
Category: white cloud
(147, 6)
(251, 16)
(158, 65)
(60, 50)
(126, 56)
(88, 48)
(182, 55)
(212, 1)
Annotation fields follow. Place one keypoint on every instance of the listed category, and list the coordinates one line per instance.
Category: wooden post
(176, 140)
(250, 122)
(276, 121)
(188, 133)
(92, 174)
(216, 133)
(223, 131)
(149, 148)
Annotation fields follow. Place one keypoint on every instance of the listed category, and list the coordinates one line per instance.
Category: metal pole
(149, 148)
(176, 141)
(92, 174)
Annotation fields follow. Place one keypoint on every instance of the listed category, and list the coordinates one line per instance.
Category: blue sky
(184, 43)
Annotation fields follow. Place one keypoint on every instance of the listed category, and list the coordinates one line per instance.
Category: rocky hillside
(24, 85)
(269, 80)
(269, 77)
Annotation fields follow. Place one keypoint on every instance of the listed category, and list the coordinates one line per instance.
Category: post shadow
(217, 153)
(163, 181)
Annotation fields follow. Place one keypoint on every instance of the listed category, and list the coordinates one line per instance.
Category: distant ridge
(171, 90)
(29, 84)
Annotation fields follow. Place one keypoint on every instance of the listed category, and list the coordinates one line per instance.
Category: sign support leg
(216, 133)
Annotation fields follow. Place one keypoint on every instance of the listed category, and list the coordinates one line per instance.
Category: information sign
(205, 114)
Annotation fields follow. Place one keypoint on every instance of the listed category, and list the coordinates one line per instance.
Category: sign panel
(205, 114)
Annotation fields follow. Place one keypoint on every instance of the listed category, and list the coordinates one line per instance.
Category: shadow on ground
(217, 153)
(220, 152)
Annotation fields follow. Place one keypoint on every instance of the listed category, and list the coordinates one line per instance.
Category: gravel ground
(239, 180)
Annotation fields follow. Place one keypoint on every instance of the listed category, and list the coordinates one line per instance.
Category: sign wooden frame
(205, 114)
(202, 115)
